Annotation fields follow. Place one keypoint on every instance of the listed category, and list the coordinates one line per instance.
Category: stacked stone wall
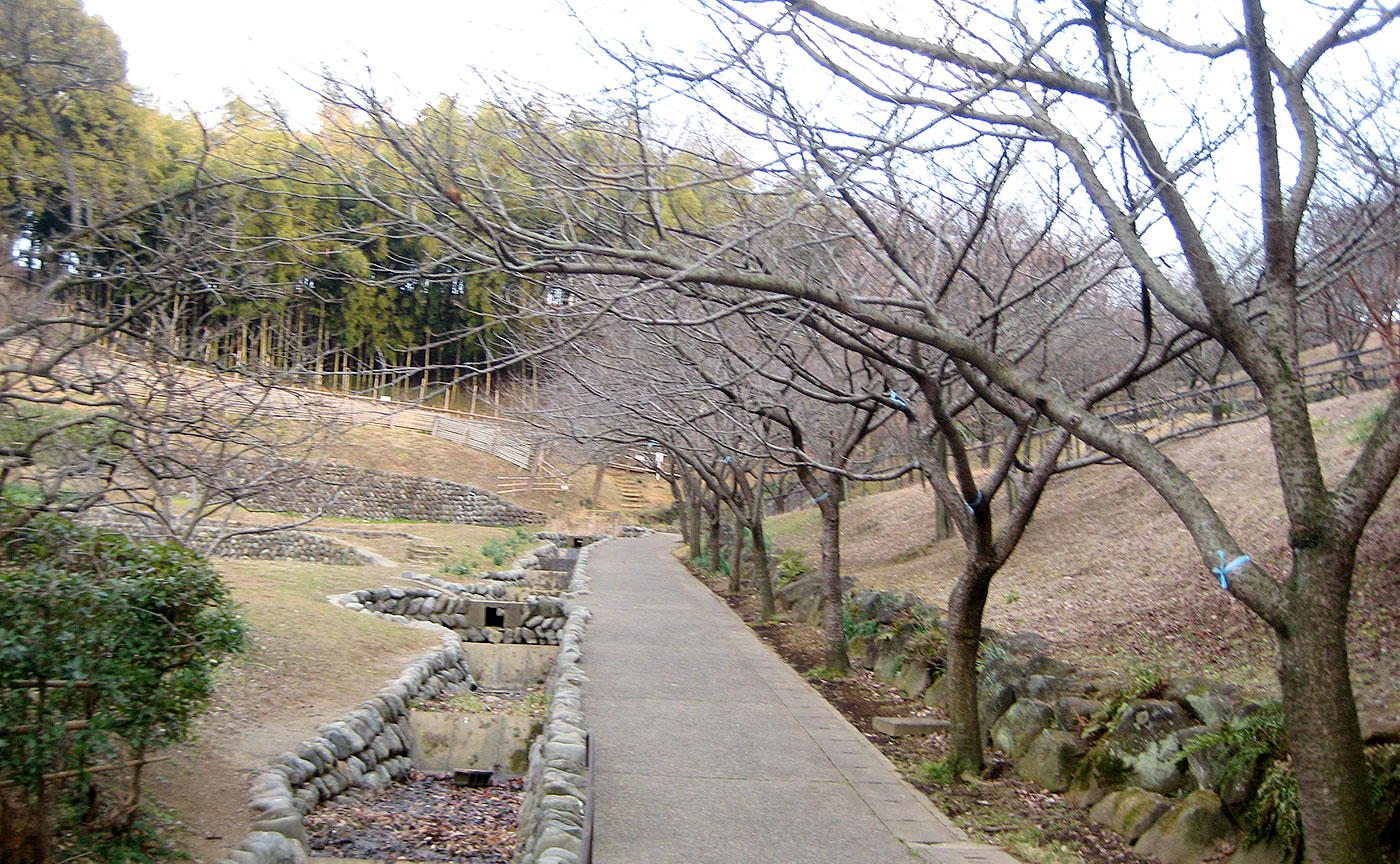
(358, 754)
(555, 814)
(363, 493)
(284, 544)
(1121, 749)
(291, 545)
(469, 612)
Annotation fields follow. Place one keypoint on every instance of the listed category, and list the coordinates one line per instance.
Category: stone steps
(418, 551)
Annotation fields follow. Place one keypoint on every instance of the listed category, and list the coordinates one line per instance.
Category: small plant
(496, 550)
(856, 627)
(1011, 597)
(937, 772)
(1364, 426)
(823, 673)
(991, 652)
(461, 568)
(790, 566)
(465, 702)
(705, 563)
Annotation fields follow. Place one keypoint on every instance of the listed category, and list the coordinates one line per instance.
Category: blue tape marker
(897, 399)
(726, 460)
(822, 497)
(1224, 570)
(975, 502)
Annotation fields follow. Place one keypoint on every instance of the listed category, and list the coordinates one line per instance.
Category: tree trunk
(1334, 797)
(833, 625)
(693, 515)
(943, 526)
(598, 483)
(716, 552)
(965, 606)
(736, 561)
(762, 574)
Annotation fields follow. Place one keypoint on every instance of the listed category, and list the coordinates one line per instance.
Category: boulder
(1019, 726)
(1213, 703)
(1145, 740)
(1099, 773)
(914, 677)
(888, 665)
(1025, 644)
(936, 696)
(1130, 812)
(1051, 759)
(1208, 768)
(998, 687)
(1074, 714)
(1192, 830)
(860, 649)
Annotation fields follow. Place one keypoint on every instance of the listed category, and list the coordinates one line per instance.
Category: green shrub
(857, 627)
(122, 639)
(461, 568)
(496, 550)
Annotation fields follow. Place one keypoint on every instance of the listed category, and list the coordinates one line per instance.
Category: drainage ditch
(437, 766)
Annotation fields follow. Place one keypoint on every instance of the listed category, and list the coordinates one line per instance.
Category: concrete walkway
(709, 749)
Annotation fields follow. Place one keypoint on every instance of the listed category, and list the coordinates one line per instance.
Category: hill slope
(1109, 576)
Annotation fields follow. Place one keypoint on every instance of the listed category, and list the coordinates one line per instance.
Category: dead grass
(1109, 576)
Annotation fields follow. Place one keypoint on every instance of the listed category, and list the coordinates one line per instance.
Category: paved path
(709, 749)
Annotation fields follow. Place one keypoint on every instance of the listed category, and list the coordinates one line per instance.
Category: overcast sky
(190, 53)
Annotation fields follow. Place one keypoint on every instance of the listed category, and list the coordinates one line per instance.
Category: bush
(502, 549)
(107, 649)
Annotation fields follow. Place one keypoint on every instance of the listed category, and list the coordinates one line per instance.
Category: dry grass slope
(1109, 576)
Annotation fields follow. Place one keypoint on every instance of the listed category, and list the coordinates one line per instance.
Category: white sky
(191, 53)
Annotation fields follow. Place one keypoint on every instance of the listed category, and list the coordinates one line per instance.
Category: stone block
(914, 677)
(900, 726)
(1145, 740)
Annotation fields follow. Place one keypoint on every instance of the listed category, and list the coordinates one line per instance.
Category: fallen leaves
(422, 818)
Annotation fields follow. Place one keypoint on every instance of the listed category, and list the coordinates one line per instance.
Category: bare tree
(1071, 82)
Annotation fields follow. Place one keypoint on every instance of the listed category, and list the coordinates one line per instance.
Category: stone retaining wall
(368, 748)
(358, 754)
(284, 544)
(1121, 749)
(475, 612)
(291, 545)
(555, 811)
(362, 493)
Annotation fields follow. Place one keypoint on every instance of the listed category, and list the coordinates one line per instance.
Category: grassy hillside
(1109, 576)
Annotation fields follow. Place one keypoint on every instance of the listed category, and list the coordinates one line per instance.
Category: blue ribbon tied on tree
(1224, 570)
